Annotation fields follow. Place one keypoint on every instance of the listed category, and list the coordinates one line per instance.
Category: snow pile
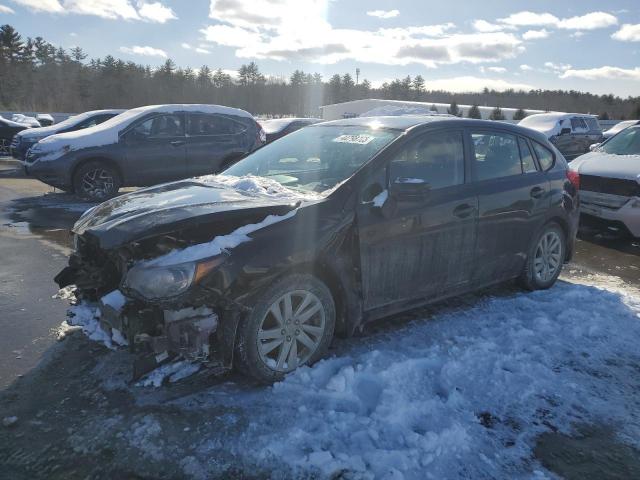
(462, 395)
(393, 111)
(108, 132)
(219, 244)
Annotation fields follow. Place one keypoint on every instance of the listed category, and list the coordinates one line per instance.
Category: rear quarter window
(545, 156)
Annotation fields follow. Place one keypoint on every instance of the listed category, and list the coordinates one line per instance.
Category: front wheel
(96, 181)
(291, 324)
(545, 259)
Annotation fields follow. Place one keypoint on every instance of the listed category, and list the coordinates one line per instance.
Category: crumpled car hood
(170, 207)
(603, 164)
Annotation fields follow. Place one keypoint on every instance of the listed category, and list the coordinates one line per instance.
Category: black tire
(106, 181)
(247, 356)
(528, 278)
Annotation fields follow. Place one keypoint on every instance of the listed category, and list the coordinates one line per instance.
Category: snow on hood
(258, 185)
(108, 132)
(67, 123)
(603, 164)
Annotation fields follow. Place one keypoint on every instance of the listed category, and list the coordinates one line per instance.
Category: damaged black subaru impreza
(319, 232)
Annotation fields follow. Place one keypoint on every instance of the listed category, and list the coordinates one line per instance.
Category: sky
(457, 45)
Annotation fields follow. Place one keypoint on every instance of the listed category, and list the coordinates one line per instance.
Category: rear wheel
(290, 325)
(545, 259)
(96, 181)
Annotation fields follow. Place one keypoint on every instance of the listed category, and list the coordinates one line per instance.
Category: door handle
(537, 192)
(177, 143)
(463, 211)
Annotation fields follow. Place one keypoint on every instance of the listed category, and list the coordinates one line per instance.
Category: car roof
(559, 115)
(407, 122)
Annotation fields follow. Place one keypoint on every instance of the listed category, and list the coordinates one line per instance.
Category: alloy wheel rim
(291, 331)
(97, 183)
(548, 256)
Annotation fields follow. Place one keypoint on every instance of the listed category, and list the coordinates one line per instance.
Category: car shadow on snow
(78, 413)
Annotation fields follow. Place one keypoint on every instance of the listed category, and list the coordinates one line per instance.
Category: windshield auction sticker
(357, 139)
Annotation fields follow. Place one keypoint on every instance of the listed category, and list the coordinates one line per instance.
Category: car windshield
(315, 159)
(627, 142)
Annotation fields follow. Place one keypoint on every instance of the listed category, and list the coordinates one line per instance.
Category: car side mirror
(565, 131)
(594, 146)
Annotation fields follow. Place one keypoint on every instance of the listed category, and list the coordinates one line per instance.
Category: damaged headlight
(162, 281)
(154, 282)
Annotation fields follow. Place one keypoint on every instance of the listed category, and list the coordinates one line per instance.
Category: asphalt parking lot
(58, 394)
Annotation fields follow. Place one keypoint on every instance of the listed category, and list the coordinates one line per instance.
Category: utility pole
(357, 75)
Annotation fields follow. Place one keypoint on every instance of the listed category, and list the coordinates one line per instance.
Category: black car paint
(375, 261)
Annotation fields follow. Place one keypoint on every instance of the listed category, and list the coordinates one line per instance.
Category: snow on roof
(67, 123)
(394, 111)
(550, 123)
(108, 132)
(44, 116)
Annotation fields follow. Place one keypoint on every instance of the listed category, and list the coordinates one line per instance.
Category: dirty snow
(462, 394)
(174, 371)
(219, 244)
(108, 132)
(87, 316)
(115, 300)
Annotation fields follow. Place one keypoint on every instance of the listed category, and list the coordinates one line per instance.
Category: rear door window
(545, 156)
(528, 163)
(496, 155)
(161, 126)
(207, 125)
(435, 158)
(578, 125)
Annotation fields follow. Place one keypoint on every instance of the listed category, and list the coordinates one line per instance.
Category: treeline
(37, 76)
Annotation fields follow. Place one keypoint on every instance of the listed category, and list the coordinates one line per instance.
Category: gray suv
(144, 146)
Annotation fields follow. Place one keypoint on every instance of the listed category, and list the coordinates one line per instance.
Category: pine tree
(454, 110)
(474, 112)
(519, 114)
(496, 114)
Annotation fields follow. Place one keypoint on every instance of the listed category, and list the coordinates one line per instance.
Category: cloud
(628, 33)
(526, 68)
(496, 69)
(604, 73)
(156, 12)
(5, 9)
(144, 51)
(556, 67)
(486, 27)
(294, 30)
(589, 21)
(53, 6)
(535, 34)
(530, 19)
(383, 13)
(198, 49)
(110, 9)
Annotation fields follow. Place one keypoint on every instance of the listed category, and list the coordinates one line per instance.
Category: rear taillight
(574, 178)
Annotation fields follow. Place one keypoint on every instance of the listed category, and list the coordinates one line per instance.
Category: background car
(335, 225)
(8, 129)
(618, 127)
(279, 127)
(24, 119)
(571, 133)
(144, 146)
(45, 119)
(610, 183)
(24, 140)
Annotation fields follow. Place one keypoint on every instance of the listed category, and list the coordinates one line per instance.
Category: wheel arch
(97, 158)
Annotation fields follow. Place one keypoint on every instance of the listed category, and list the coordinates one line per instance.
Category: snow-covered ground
(460, 394)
